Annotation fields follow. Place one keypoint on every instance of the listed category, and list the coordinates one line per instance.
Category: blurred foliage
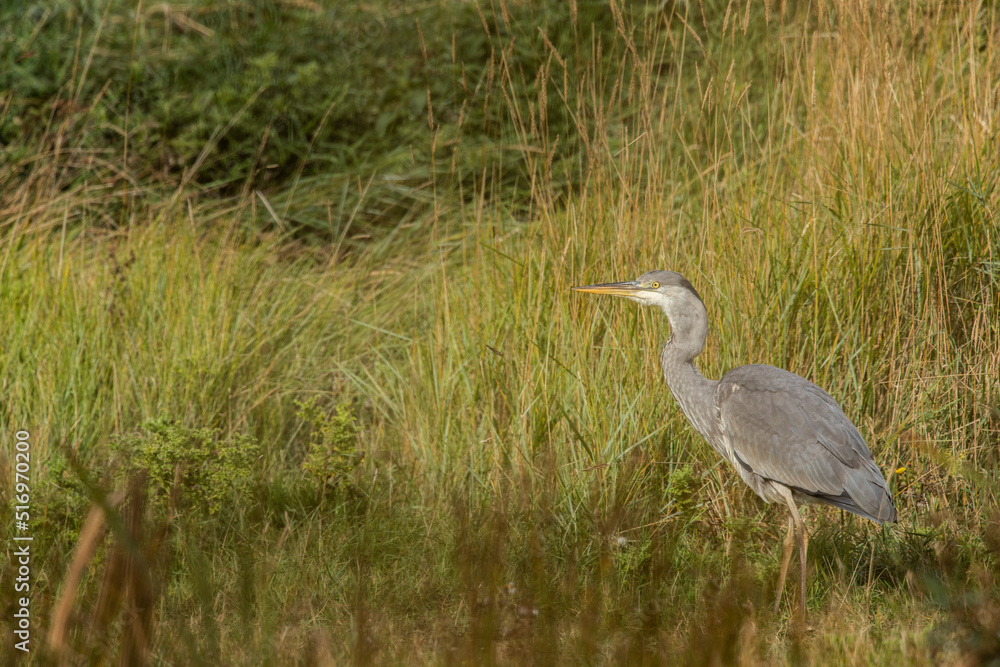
(380, 99)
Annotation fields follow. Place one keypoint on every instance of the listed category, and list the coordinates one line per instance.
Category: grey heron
(786, 437)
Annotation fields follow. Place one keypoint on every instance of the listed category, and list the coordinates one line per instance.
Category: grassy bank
(305, 382)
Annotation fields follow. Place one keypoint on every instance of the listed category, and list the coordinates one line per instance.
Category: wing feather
(787, 429)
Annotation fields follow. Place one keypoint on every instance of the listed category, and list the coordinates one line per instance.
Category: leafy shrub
(333, 443)
(198, 464)
(681, 487)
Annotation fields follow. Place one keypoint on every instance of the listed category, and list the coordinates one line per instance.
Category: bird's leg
(803, 546)
(803, 540)
(787, 547)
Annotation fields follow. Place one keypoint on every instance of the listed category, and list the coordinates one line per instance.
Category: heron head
(654, 288)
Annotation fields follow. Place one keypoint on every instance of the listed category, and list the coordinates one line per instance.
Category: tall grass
(527, 490)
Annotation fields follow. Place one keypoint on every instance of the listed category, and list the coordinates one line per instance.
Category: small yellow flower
(900, 470)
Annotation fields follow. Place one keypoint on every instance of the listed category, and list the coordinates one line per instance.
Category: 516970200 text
(22, 540)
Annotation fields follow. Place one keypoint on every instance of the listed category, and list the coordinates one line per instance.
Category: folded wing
(785, 428)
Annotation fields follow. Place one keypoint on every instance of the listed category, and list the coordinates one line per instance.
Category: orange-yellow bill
(615, 289)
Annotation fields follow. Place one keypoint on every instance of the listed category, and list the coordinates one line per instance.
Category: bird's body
(786, 437)
(815, 451)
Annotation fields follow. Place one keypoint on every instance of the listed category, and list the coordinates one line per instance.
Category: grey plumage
(813, 448)
(786, 437)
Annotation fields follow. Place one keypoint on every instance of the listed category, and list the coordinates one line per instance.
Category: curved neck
(688, 326)
(694, 392)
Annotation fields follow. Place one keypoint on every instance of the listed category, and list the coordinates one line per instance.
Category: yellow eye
(654, 285)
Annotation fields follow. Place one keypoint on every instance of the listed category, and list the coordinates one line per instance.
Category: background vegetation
(284, 294)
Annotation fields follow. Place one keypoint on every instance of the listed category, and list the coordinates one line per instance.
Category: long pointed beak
(617, 289)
